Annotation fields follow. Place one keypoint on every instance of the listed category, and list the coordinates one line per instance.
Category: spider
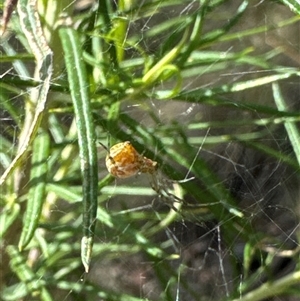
(123, 161)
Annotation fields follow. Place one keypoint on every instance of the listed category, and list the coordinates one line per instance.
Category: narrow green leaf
(8, 216)
(155, 72)
(290, 126)
(294, 5)
(31, 26)
(36, 196)
(272, 289)
(78, 82)
(279, 155)
(34, 284)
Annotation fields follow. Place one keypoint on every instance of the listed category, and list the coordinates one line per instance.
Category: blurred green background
(208, 89)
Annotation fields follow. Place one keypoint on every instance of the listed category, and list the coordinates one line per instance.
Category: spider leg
(158, 184)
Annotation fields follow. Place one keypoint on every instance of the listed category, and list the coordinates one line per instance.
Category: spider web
(266, 190)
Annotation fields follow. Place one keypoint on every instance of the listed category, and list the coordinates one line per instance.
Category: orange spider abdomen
(123, 161)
